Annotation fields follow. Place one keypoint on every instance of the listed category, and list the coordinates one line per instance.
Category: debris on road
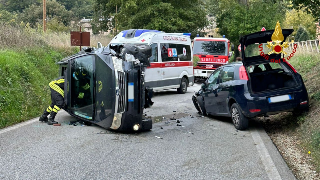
(57, 124)
(158, 137)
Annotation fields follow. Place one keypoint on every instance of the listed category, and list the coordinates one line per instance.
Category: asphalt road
(196, 148)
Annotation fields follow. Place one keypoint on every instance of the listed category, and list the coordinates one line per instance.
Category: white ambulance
(171, 61)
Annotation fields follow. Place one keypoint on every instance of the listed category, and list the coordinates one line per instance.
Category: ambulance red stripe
(170, 64)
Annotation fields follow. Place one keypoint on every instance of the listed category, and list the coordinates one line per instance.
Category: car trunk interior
(267, 79)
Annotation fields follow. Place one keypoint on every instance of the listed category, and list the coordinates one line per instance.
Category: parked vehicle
(107, 89)
(253, 87)
(213, 53)
(171, 64)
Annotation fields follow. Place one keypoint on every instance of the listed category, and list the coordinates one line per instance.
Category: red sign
(263, 29)
(170, 54)
(80, 38)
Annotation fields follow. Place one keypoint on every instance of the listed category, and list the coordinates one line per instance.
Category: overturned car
(107, 89)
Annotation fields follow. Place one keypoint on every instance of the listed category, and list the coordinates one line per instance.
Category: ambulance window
(154, 53)
(184, 52)
(175, 52)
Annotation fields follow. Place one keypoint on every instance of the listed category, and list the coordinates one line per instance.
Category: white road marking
(265, 156)
(10, 128)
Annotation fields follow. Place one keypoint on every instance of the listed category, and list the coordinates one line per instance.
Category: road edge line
(265, 157)
(10, 128)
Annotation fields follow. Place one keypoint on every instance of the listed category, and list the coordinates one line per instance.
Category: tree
(296, 18)
(34, 13)
(164, 15)
(18, 6)
(236, 18)
(7, 17)
(301, 35)
(312, 7)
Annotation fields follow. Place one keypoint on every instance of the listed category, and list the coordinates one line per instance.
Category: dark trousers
(56, 104)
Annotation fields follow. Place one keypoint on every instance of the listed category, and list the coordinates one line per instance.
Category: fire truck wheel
(183, 86)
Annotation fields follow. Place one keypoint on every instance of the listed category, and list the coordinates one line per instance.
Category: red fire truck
(213, 53)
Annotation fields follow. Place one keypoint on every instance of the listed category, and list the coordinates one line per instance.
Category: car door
(223, 89)
(210, 88)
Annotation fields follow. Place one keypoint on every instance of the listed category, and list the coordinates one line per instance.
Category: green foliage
(235, 19)
(301, 35)
(168, 16)
(7, 17)
(313, 7)
(24, 91)
(316, 140)
(196, 59)
(34, 13)
(19, 6)
(56, 26)
(294, 19)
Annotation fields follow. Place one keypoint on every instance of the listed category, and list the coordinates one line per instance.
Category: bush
(301, 35)
(196, 59)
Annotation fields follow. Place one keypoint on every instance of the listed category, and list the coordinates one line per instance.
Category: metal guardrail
(306, 46)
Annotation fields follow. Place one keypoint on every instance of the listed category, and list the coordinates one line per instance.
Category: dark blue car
(254, 87)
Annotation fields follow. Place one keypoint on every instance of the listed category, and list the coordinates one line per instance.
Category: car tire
(239, 121)
(183, 86)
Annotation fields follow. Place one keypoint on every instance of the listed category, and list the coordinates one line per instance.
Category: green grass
(25, 75)
(308, 65)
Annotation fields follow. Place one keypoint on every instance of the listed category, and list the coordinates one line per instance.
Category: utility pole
(116, 19)
(44, 15)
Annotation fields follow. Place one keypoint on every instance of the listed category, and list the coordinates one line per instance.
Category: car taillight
(304, 102)
(294, 70)
(243, 73)
(254, 110)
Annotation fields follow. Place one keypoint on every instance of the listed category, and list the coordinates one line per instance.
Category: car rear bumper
(259, 106)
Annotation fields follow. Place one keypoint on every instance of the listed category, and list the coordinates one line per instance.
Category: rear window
(267, 67)
(254, 50)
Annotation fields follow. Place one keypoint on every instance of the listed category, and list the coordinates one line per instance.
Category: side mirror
(232, 47)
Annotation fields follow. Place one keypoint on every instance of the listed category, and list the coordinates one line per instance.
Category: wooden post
(115, 20)
(44, 15)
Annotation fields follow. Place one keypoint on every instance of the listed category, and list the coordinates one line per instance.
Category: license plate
(279, 98)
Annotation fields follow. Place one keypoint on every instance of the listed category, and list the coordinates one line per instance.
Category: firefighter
(57, 101)
(83, 93)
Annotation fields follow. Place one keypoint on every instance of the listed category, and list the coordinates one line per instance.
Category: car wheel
(240, 122)
(183, 86)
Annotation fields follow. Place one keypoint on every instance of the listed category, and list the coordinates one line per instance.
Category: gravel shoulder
(287, 139)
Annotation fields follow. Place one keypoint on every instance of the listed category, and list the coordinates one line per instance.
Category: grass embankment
(27, 65)
(306, 128)
(24, 91)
